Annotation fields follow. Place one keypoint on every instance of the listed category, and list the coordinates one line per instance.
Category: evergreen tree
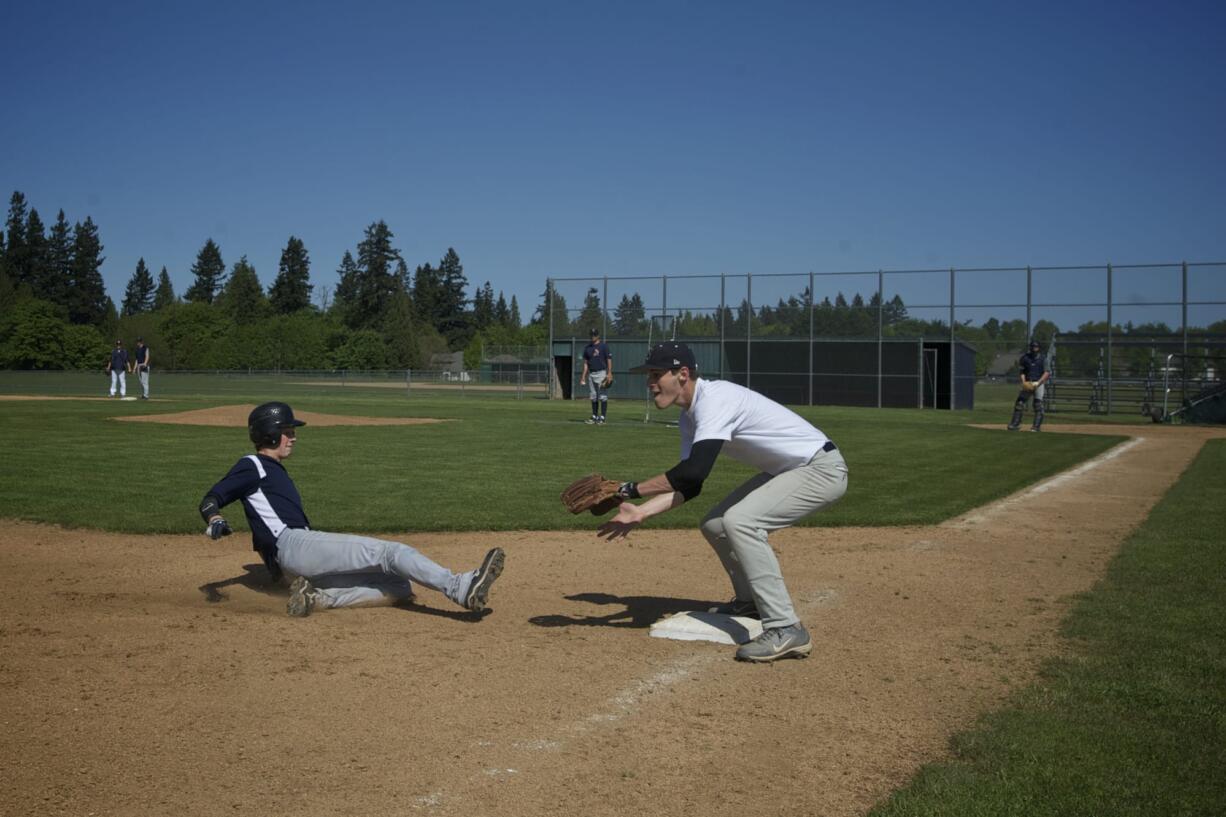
(138, 297)
(502, 313)
(165, 295)
(630, 315)
(15, 254)
(453, 300)
(513, 320)
(556, 309)
(376, 279)
(242, 298)
(347, 286)
(428, 294)
(291, 291)
(483, 307)
(59, 257)
(591, 316)
(210, 273)
(38, 262)
(88, 301)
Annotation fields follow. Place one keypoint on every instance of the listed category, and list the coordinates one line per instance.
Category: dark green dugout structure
(890, 373)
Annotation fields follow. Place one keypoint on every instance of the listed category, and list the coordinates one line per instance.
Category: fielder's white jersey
(757, 431)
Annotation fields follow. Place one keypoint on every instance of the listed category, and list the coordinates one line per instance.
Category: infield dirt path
(125, 691)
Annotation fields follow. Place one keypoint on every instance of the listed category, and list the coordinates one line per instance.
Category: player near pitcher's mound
(330, 569)
(799, 471)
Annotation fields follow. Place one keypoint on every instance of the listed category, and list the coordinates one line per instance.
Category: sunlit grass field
(499, 463)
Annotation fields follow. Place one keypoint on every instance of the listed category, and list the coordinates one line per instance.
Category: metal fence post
(952, 336)
(880, 319)
(1110, 374)
(550, 369)
(1185, 310)
(723, 310)
(1029, 300)
(811, 338)
(748, 329)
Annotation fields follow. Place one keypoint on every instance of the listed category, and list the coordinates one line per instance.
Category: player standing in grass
(331, 569)
(598, 372)
(140, 365)
(118, 367)
(800, 471)
(1034, 375)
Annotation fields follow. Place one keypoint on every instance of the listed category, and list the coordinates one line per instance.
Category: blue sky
(616, 139)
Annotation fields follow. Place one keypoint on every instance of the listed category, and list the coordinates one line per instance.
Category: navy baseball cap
(668, 355)
(595, 332)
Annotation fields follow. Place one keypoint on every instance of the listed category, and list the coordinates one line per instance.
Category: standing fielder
(801, 471)
(332, 569)
(598, 372)
(118, 367)
(1034, 377)
(140, 365)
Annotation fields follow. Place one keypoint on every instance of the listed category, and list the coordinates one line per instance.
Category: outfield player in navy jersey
(330, 569)
(118, 367)
(597, 374)
(800, 471)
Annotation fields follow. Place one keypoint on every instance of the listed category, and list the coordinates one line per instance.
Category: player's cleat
(775, 643)
(479, 590)
(1036, 428)
(599, 421)
(736, 607)
(302, 598)
(1011, 428)
(590, 421)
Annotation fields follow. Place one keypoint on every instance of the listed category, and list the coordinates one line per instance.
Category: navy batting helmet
(268, 420)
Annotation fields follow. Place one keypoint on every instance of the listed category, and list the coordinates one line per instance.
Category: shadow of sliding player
(256, 578)
(637, 611)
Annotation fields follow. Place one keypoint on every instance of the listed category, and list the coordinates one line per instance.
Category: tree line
(55, 312)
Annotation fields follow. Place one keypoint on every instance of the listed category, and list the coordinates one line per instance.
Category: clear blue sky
(594, 138)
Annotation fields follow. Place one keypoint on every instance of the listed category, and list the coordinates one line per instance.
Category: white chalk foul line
(988, 511)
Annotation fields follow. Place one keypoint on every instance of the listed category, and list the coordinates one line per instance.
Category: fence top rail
(1103, 266)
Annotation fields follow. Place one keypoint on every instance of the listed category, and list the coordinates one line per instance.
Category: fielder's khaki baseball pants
(738, 526)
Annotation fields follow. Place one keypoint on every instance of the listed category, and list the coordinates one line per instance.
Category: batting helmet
(268, 420)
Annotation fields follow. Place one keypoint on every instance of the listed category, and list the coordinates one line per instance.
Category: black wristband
(629, 490)
(209, 507)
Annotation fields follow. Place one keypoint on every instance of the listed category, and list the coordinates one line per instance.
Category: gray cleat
(302, 598)
(479, 589)
(775, 643)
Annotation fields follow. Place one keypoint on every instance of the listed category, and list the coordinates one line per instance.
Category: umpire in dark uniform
(1034, 377)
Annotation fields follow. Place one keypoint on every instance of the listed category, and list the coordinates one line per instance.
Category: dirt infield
(125, 691)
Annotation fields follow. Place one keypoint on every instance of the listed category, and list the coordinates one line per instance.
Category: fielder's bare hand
(628, 517)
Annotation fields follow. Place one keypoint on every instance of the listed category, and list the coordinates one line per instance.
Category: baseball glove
(592, 493)
(1029, 386)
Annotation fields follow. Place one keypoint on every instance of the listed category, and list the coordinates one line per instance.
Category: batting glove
(217, 529)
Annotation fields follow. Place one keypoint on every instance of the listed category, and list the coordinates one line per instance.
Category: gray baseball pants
(360, 571)
(737, 528)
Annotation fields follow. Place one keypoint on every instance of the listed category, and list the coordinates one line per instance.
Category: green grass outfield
(1135, 722)
(499, 465)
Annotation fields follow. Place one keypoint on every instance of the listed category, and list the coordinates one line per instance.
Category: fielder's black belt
(830, 446)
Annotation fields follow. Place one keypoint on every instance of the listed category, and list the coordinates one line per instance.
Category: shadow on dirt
(636, 611)
(256, 578)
